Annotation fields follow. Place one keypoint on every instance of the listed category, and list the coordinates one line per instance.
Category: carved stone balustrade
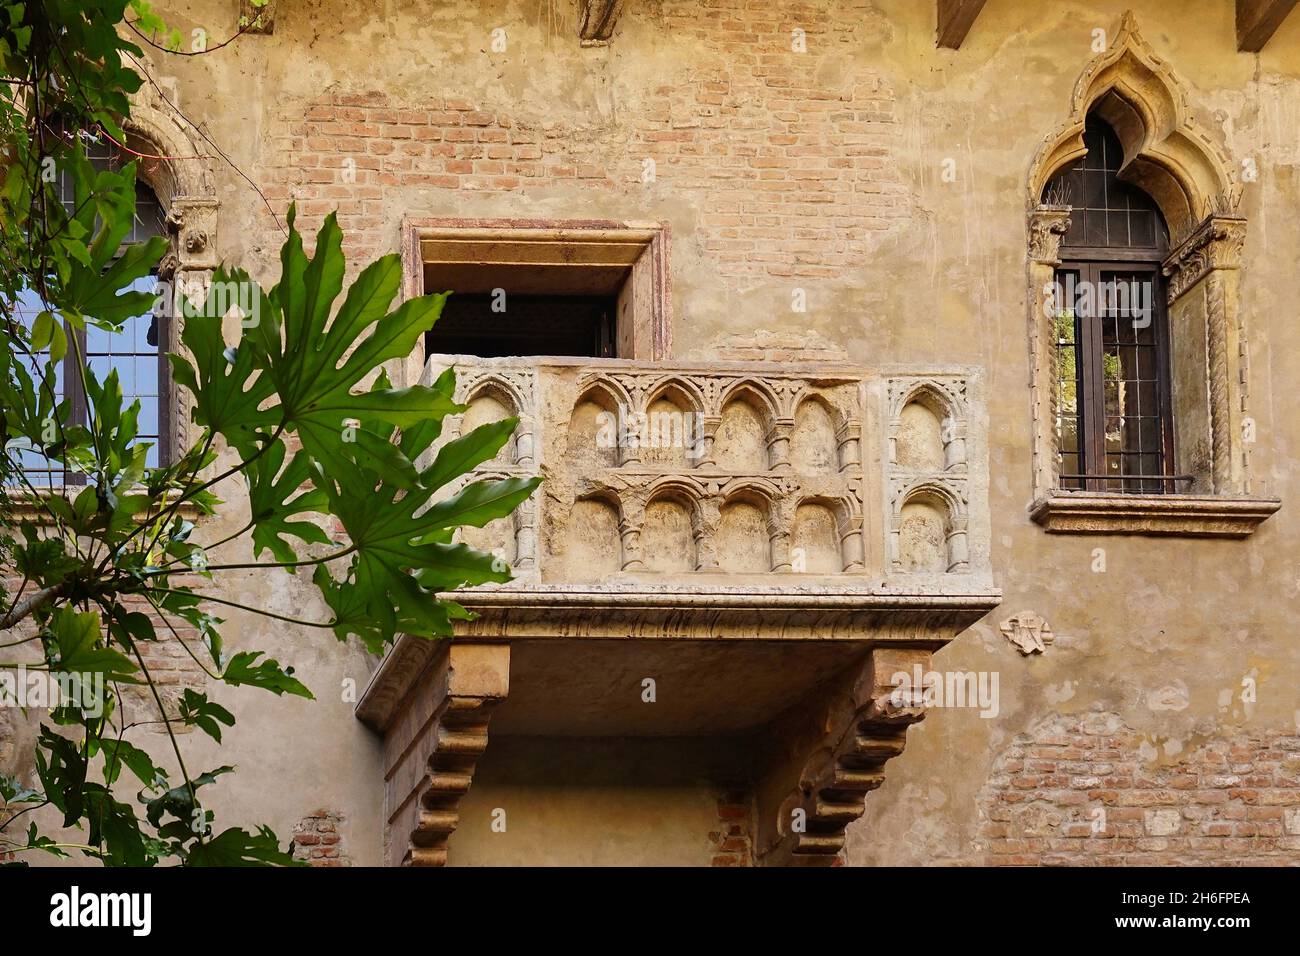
(747, 475)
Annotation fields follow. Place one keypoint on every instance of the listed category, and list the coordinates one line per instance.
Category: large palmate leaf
(105, 208)
(230, 397)
(316, 363)
(299, 369)
(274, 500)
(404, 555)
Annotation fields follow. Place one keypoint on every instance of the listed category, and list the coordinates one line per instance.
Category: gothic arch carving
(677, 390)
(678, 488)
(948, 502)
(756, 490)
(847, 514)
(605, 392)
(185, 168)
(930, 393)
(754, 394)
(601, 436)
(933, 491)
(494, 386)
(1166, 152)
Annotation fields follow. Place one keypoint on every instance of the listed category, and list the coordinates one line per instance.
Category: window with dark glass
(1114, 425)
(133, 351)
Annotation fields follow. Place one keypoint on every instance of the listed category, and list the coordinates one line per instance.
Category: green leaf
(479, 503)
(468, 452)
(114, 826)
(42, 330)
(62, 767)
(197, 711)
(402, 561)
(13, 791)
(230, 395)
(382, 457)
(238, 847)
(121, 753)
(268, 675)
(180, 802)
(77, 637)
(272, 502)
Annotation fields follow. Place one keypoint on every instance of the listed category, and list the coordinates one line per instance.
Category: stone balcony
(769, 542)
(814, 480)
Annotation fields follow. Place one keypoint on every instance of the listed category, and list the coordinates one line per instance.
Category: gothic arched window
(1114, 423)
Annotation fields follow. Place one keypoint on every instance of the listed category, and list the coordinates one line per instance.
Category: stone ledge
(24, 506)
(743, 619)
(1192, 516)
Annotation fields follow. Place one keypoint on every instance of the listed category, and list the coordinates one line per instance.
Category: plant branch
(31, 604)
(245, 607)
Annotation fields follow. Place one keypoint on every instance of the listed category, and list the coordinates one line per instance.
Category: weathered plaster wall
(545, 801)
(822, 171)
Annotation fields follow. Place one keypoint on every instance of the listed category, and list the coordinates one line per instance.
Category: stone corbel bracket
(844, 746)
(433, 740)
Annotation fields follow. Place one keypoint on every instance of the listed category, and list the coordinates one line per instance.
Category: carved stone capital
(1215, 244)
(1047, 226)
(192, 223)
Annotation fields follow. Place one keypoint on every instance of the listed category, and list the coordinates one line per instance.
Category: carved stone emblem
(1029, 632)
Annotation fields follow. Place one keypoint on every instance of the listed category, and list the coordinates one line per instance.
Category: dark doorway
(524, 325)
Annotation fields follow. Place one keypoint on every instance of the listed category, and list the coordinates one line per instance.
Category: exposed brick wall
(794, 174)
(1228, 802)
(316, 839)
(732, 840)
(171, 666)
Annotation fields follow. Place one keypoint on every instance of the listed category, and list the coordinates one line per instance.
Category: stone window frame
(645, 309)
(174, 164)
(184, 183)
(1169, 156)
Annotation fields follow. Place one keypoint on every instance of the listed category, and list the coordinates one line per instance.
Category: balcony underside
(726, 661)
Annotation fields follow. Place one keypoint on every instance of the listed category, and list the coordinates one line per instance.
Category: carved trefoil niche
(716, 472)
(762, 473)
(927, 475)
